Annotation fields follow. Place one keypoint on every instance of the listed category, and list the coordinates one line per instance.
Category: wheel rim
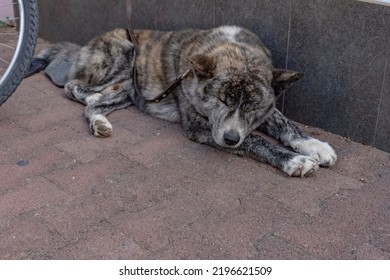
(19, 44)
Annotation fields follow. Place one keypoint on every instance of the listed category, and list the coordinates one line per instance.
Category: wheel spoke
(15, 59)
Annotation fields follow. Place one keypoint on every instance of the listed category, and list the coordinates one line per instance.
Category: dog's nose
(231, 137)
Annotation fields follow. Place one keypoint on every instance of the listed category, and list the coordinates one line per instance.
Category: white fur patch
(322, 152)
(100, 126)
(91, 99)
(230, 32)
(300, 166)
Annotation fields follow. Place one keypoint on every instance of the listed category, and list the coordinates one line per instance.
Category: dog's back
(163, 56)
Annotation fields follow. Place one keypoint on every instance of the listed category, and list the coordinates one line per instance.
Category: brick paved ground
(149, 193)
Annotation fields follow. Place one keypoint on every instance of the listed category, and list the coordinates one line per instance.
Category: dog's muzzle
(231, 138)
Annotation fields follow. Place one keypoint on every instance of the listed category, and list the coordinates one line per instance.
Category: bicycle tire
(28, 36)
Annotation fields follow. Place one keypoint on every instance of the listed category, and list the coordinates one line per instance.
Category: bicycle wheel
(15, 55)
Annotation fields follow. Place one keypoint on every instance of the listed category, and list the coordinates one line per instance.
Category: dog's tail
(60, 51)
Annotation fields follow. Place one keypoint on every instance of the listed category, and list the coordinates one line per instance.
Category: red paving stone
(147, 192)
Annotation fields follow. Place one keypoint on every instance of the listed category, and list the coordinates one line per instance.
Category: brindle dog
(229, 93)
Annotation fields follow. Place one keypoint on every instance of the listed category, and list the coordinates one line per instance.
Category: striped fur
(229, 93)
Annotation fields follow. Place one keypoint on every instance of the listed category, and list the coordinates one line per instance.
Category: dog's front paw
(300, 166)
(100, 126)
(322, 152)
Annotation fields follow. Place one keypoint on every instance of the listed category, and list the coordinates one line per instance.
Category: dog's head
(236, 94)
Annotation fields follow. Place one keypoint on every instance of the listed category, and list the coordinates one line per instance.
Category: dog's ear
(204, 65)
(284, 79)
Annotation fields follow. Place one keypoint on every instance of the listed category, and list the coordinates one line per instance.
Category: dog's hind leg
(99, 105)
(100, 101)
(80, 91)
(281, 128)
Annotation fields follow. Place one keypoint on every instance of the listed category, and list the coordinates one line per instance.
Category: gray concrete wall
(343, 47)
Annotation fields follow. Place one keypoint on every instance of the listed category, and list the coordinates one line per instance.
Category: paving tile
(149, 152)
(79, 179)
(229, 232)
(341, 226)
(307, 196)
(27, 144)
(368, 251)
(10, 131)
(6, 155)
(27, 237)
(37, 91)
(48, 117)
(182, 248)
(83, 150)
(76, 180)
(152, 228)
(120, 141)
(20, 175)
(36, 194)
(129, 191)
(14, 108)
(45, 160)
(70, 217)
(25, 169)
(102, 241)
(137, 122)
(33, 109)
(358, 162)
(271, 247)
